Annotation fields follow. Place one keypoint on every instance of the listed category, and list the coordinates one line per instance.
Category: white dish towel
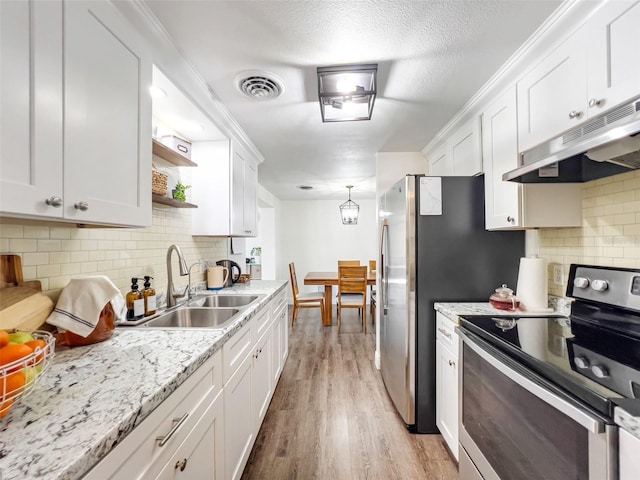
(81, 301)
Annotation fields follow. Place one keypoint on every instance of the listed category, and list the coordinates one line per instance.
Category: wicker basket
(159, 183)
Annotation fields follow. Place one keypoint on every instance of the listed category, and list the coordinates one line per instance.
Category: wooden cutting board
(22, 305)
(23, 308)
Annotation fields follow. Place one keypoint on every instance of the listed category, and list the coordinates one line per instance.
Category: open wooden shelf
(170, 156)
(171, 202)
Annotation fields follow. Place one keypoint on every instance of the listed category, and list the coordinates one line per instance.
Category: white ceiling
(432, 57)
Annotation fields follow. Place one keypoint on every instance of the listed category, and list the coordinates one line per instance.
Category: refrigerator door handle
(383, 277)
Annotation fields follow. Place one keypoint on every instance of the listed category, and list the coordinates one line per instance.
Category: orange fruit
(34, 344)
(4, 338)
(5, 408)
(12, 384)
(12, 352)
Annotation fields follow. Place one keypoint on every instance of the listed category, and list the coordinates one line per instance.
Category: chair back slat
(294, 279)
(348, 263)
(372, 265)
(352, 279)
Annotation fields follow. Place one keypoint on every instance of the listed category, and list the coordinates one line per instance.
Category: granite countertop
(93, 396)
(559, 306)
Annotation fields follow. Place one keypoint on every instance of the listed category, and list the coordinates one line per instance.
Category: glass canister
(504, 299)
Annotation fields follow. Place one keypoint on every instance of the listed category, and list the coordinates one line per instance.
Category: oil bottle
(135, 302)
(149, 295)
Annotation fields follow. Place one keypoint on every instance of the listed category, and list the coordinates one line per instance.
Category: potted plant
(179, 193)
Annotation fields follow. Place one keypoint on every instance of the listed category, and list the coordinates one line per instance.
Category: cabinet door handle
(452, 363)
(510, 219)
(574, 114)
(181, 464)
(177, 422)
(54, 202)
(247, 231)
(82, 206)
(445, 333)
(596, 102)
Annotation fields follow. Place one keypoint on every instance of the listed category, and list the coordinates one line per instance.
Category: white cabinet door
(500, 154)
(276, 349)
(201, 454)
(629, 451)
(244, 197)
(284, 341)
(440, 164)
(262, 383)
(238, 434)
(31, 108)
(250, 205)
(614, 57)
(107, 135)
(552, 98)
(447, 396)
(510, 205)
(465, 150)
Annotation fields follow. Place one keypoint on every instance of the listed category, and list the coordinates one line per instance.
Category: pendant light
(349, 210)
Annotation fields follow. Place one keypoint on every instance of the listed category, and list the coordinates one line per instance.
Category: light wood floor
(331, 418)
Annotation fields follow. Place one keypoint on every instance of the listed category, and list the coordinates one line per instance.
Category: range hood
(606, 145)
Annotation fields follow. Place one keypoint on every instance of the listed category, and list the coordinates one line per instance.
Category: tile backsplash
(610, 231)
(54, 253)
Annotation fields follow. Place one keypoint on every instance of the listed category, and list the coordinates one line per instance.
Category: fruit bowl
(18, 377)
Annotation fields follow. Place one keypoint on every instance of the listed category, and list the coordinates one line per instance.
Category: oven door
(515, 425)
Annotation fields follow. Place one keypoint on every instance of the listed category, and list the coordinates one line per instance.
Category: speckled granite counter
(452, 310)
(93, 396)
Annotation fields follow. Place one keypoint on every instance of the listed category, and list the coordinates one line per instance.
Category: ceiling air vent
(259, 85)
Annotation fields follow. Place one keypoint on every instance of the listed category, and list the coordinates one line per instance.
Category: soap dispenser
(135, 302)
(149, 295)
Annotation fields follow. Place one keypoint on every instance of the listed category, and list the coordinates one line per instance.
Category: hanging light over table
(349, 210)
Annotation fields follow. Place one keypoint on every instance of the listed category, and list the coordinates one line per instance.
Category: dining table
(329, 279)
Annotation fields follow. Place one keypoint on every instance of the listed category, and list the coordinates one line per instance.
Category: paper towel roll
(532, 285)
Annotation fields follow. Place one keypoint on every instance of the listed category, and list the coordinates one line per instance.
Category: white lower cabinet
(263, 383)
(447, 410)
(629, 450)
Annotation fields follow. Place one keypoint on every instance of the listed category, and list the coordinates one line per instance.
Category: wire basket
(18, 378)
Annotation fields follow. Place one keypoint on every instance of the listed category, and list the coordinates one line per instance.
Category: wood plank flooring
(331, 417)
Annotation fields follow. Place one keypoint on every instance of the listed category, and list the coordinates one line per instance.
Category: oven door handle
(579, 415)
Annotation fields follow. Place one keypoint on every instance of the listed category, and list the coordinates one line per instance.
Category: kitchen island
(92, 397)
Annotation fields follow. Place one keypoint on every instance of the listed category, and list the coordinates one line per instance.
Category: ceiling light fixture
(347, 92)
(349, 210)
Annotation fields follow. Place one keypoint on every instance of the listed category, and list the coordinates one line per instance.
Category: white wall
(314, 238)
(266, 240)
(392, 166)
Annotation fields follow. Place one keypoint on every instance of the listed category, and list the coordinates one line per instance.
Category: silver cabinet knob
(452, 363)
(595, 102)
(599, 285)
(54, 202)
(574, 114)
(181, 464)
(82, 206)
(581, 282)
(581, 362)
(510, 219)
(600, 371)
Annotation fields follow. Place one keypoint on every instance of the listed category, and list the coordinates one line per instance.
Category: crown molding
(183, 73)
(564, 21)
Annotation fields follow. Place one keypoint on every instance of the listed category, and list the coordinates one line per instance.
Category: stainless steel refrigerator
(434, 248)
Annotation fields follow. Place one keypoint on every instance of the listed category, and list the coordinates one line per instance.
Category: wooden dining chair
(352, 292)
(346, 263)
(304, 300)
(372, 293)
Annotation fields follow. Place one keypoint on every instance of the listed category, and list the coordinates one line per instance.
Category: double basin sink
(204, 311)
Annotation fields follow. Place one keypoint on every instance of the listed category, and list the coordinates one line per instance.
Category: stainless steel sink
(194, 317)
(223, 300)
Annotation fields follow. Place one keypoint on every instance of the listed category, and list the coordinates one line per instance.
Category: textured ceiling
(432, 56)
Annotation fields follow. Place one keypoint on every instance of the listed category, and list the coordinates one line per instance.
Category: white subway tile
(35, 259)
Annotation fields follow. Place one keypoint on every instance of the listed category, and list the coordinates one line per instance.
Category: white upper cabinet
(31, 108)
(225, 190)
(552, 97)
(510, 205)
(593, 70)
(107, 135)
(95, 165)
(460, 155)
(465, 150)
(613, 59)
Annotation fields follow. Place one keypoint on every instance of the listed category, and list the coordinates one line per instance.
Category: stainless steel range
(539, 395)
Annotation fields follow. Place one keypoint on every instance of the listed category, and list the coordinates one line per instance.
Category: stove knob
(581, 362)
(599, 285)
(581, 282)
(600, 371)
